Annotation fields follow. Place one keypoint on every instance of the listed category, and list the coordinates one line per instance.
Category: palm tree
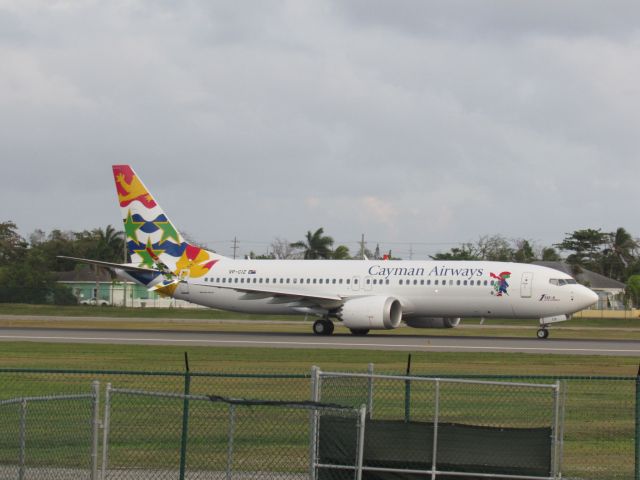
(316, 245)
(619, 254)
(108, 243)
(341, 253)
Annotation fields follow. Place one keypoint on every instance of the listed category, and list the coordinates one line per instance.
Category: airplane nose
(588, 296)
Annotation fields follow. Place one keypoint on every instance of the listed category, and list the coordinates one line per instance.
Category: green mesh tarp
(461, 448)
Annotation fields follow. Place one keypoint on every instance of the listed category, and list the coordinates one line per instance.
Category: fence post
(313, 422)
(370, 394)
(95, 426)
(436, 416)
(23, 438)
(185, 418)
(361, 437)
(637, 472)
(105, 431)
(555, 430)
(232, 427)
(407, 393)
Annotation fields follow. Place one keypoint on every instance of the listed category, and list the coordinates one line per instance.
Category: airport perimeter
(56, 423)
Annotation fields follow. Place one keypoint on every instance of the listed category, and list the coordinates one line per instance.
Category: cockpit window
(562, 281)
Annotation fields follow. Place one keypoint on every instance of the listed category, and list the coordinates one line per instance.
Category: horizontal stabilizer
(121, 266)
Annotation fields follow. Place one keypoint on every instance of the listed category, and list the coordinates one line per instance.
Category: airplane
(362, 294)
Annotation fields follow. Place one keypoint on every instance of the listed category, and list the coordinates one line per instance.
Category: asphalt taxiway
(340, 341)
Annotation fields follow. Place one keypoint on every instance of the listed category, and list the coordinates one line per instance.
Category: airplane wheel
(323, 327)
(543, 333)
(330, 327)
(359, 331)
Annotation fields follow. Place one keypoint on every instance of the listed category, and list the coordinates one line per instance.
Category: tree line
(28, 266)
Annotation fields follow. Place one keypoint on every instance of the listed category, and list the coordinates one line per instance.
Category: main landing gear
(324, 326)
(543, 333)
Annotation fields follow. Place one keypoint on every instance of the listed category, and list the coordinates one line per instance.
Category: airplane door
(526, 284)
(355, 283)
(184, 282)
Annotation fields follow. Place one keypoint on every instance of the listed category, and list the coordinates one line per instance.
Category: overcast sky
(417, 122)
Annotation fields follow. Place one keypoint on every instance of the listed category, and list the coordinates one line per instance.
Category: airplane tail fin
(152, 239)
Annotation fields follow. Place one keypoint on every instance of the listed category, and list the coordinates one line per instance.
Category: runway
(301, 340)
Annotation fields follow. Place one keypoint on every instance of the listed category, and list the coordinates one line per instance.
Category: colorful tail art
(152, 240)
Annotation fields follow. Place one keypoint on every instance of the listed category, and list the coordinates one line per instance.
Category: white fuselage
(424, 288)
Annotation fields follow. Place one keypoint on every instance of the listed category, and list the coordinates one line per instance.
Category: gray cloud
(434, 122)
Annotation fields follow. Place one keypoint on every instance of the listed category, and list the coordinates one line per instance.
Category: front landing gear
(543, 333)
(546, 321)
(323, 326)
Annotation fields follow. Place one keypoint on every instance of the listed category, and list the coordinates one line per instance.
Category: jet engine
(371, 313)
(433, 322)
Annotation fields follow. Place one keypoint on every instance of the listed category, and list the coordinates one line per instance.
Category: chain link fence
(50, 436)
(211, 437)
(599, 436)
(461, 426)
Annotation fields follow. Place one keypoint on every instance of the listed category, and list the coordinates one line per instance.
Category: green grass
(232, 359)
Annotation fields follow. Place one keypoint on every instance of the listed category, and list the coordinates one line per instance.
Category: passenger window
(314, 280)
(340, 281)
(348, 281)
(428, 282)
(266, 280)
(368, 281)
(464, 283)
(400, 282)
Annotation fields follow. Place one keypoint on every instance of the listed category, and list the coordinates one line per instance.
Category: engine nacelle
(371, 313)
(433, 322)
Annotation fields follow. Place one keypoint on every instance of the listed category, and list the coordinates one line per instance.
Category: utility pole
(235, 246)
(410, 251)
(362, 247)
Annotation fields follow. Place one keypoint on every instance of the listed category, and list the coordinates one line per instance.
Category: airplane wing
(282, 295)
(121, 266)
